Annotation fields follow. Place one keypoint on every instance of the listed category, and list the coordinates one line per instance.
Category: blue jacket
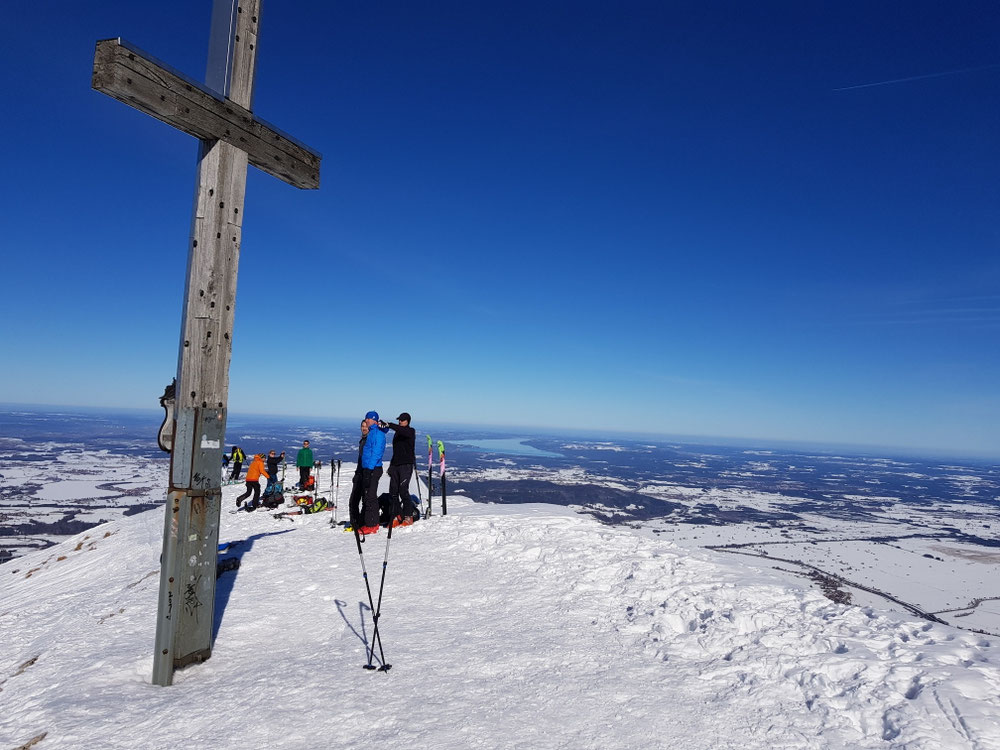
(371, 456)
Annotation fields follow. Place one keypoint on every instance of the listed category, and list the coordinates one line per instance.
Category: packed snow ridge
(507, 626)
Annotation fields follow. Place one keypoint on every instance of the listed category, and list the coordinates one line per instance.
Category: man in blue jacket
(371, 470)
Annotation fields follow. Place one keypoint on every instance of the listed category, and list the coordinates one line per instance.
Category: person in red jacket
(254, 473)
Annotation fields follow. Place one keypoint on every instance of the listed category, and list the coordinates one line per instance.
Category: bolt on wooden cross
(219, 114)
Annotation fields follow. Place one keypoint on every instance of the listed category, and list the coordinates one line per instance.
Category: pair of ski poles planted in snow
(377, 610)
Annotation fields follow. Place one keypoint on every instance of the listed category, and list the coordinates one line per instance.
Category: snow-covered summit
(507, 626)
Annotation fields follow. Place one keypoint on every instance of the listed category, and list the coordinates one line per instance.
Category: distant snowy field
(936, 556)
(52, 489)
(507, 626)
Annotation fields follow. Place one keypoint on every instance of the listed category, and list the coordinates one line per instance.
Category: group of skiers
(365, 512)
(363, 505)
(267, 468)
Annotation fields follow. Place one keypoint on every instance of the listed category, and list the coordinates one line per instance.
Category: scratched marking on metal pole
(191, 601)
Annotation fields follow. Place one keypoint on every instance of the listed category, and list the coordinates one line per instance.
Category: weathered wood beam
(139, 80)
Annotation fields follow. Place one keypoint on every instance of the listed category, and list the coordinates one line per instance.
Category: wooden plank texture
(245, 53)
(230, 139)
(138, 80)
(210, 299)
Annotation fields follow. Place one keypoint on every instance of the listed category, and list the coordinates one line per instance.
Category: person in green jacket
(304, 460)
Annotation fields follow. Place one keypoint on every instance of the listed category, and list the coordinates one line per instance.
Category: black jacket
(404, 443)
(361, 450)
(272, 465)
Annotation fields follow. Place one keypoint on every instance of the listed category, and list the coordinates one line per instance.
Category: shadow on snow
(224, 583)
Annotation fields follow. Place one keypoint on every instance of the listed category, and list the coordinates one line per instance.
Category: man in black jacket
(401, 468)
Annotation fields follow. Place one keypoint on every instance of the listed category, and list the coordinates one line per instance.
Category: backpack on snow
(273, 497)
(317, 505)
(385, 509)
(310, 504)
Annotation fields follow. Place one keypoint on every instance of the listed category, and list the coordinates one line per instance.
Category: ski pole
(430, 475)
(334, 483)
(378, 611)
(420, 496)
(444, 486)
(371, 604)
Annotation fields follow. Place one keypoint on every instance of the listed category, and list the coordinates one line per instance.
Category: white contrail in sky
(918, 78)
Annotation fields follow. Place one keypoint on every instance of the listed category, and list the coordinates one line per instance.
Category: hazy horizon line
(867, 449)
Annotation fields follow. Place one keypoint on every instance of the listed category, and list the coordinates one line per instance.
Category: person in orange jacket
(254, 473)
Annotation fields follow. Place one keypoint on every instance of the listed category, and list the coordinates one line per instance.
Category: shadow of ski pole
(362, 636)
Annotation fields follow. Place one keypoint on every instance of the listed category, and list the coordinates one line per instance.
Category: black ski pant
(303, 475)
(399, 490)
(253, 487)
(354, 502)
(237, 465)
(369, 479)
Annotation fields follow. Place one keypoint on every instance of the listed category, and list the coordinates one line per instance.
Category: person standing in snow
(357, 486)
(272, 468)
(253, 482)
(238, 458)
(304, 460)
(371, 470)
(401, 469)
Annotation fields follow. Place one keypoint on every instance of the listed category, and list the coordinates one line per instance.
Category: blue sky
(654, 216)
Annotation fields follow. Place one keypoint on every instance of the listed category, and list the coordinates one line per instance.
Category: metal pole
(335, 484)
(430, 474)
(420, 495)
(376, 638)
(444, 481)
(378, 611)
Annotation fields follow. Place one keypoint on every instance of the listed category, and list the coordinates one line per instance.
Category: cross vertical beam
(231, 137)
(186, 610)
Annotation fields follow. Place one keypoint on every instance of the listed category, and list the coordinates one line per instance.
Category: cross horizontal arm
(139, 80)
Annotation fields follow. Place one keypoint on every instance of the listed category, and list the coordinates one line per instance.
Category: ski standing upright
(444, 484)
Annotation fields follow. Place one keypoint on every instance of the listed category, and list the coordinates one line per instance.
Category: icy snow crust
(524, 626)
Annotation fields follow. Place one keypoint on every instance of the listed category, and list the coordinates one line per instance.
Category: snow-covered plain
(507, 626)
(928, 555)
(932, 557)
(50, 488)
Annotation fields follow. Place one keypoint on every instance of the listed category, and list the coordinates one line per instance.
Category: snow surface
(507, 626)
(942, 570)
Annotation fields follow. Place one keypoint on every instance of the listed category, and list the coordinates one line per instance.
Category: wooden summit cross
(219, 114)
